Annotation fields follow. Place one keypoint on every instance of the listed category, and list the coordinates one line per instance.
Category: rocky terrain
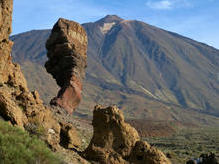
(114, 141)
(18, 105)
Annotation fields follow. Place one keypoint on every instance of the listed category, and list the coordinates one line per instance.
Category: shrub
(17, 147)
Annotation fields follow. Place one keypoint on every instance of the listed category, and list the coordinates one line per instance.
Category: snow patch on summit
(106, 27)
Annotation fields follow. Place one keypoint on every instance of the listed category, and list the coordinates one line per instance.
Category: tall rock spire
(67, 53)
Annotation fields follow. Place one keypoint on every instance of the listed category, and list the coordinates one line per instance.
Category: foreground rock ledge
(116, 142)
(67, 54)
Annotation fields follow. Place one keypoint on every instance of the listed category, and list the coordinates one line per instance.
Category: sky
(196, 19)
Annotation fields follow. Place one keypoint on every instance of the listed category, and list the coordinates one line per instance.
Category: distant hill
(149, 72)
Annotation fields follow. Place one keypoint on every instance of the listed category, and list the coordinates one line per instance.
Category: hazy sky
(197, 19)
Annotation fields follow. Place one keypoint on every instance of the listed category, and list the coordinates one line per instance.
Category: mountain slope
(141, 68)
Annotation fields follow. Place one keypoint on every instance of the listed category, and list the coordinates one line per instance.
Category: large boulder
(115, 141)
(67, 54)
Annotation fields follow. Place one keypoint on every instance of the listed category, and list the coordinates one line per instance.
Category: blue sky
(197, 19)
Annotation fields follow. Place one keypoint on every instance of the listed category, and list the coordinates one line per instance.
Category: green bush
(17, 147)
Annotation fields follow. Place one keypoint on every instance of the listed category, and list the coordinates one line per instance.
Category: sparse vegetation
(188, 143)
(36, 129)
(16, 147)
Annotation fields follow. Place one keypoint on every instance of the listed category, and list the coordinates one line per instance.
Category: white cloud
(167, 4)
(163, 4)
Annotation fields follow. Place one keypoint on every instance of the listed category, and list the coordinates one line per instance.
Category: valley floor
(188, 143)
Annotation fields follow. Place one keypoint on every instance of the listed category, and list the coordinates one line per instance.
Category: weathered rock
(10, 111)
(23, 108)
(204, 159)
(115, 141)
(6, 8)
(144, 153)
(69, 137)
(111, 133)
(67, 48)
(17, 104)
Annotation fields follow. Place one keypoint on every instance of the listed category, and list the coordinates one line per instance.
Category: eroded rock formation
(6, 8)
(116, 142)
(18, 105)
(67, 48)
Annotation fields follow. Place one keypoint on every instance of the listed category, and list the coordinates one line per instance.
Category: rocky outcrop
(204, 159)
(10, 76)
(6, 8)
(18, 105)
(144, 153)
(116, 142)
(67, 48)
(69, 137)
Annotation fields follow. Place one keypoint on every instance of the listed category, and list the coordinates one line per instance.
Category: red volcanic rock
(67, 54)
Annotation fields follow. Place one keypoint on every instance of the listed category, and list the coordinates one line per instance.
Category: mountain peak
(110, 19)
(108, 22)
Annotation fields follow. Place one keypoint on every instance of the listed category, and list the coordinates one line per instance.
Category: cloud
(163, 4)
(167, 4)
